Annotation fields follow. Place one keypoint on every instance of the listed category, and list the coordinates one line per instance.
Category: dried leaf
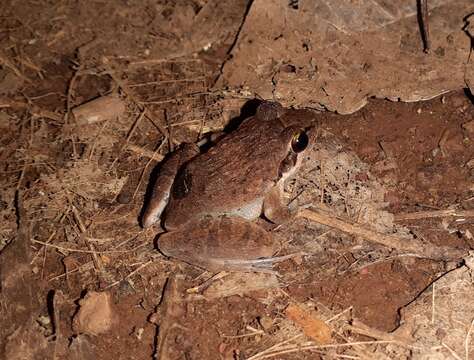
(319, 54)
(312, 326)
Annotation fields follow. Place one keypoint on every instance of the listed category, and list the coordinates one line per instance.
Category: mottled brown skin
(211, 239)
(239, 169)
(225, 188)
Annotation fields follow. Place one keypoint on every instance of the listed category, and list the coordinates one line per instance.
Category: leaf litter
(70, 177)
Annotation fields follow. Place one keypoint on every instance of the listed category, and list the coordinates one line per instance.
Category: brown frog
(209, 200)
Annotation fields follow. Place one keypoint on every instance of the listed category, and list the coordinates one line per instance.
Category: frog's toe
(258, 265)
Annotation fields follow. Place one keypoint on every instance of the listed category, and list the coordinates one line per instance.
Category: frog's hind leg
(162, 187)
(223, 243)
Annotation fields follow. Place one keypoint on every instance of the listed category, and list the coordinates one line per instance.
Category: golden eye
(299, 142)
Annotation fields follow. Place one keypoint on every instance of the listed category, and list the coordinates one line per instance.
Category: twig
(81, 53)
(70, 92)
(146, 168)
(129, 135)
(86, 266)
(22, 175)
(203, 286)
(97, 260)
(274, 347)
(130, 94)
(451, 351)
(425, 25)
(171, 309)
(129, 275)
(151, 62)
(382, 260)
(127, 240)
(433, 214)
(29, 64)
(170, 134)
(391, 241)
(442, 142)
(253, 332)
(467, 340)
(8, 64)
(296, 348)
(350, 308)
(202, 78)
(359, 327)
(19, 305)
(85, 251)
(94, 143)
(57, 297)
(100, 240)
(144, 152)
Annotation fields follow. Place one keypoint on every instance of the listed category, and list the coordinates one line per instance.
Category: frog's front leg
(162, 187)
(222, 243)
(274, 207)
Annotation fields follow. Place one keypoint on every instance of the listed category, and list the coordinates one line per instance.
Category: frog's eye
(299, 142)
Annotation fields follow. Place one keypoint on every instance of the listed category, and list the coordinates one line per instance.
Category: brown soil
(71, 196)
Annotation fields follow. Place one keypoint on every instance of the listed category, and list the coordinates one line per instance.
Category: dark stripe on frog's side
(182, 184)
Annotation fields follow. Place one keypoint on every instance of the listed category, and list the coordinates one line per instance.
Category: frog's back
(232, 177)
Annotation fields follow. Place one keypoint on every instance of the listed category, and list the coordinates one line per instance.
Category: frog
(211, 203)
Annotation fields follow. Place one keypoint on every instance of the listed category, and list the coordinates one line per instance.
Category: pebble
(95, 315)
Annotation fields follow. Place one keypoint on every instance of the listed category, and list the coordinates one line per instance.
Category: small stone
(45, 322)
(266, 322)
(124, 198)
(96, 315)
(139, 333)
(468, 235)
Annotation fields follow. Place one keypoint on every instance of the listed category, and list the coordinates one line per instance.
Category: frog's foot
(257, 265)
(275, 208)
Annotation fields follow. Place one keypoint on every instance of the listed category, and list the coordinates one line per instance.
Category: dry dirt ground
(80, 279)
